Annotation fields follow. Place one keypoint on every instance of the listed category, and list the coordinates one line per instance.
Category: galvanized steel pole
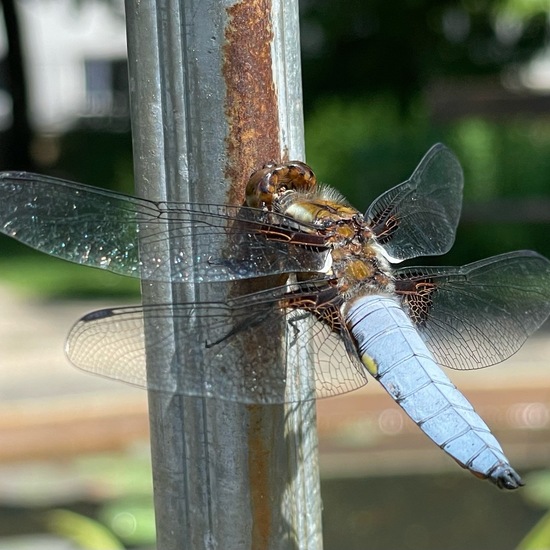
(215, 92)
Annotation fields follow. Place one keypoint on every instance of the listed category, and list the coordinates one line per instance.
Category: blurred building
(75, 64)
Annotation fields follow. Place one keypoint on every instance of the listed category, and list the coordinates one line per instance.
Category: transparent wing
(119, 233)
(419, 216)
(224, 351)
(479, 314)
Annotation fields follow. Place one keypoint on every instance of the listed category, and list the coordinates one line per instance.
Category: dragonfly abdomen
(395, 354)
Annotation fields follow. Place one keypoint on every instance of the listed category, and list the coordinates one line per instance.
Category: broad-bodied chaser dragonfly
(333, 269)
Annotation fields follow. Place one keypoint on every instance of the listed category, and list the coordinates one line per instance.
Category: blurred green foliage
(537, 493)
(99, 158)
(84, 532)
(352, 48)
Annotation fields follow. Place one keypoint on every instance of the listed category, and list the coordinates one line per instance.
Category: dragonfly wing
(419, 216)
(225, 353)
(120, 233)
(481, 313)
(112, 343)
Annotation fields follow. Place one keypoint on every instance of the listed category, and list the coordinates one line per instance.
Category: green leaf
(86, 532)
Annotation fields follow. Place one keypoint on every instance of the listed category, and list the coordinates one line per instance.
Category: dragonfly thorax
(358, 264)
(360, 269)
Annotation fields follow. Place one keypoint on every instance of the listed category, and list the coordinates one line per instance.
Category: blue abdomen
(395, 354)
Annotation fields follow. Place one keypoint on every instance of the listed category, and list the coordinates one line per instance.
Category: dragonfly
(328, 283)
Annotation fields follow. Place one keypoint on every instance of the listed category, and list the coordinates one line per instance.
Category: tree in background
(354, 47)
(15, 142)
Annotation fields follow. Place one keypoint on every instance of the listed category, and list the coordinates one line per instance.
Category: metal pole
(215, 92)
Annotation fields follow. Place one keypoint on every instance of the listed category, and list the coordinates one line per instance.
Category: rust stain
(259, 467)
(251, 101)
(251, 111)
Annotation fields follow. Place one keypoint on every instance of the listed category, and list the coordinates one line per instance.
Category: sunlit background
(383, 81)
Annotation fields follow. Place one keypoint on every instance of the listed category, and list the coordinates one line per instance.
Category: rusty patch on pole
(251, 110)
(260, 464)
(251, 101)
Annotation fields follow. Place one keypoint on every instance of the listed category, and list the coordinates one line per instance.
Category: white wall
(58, 36)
